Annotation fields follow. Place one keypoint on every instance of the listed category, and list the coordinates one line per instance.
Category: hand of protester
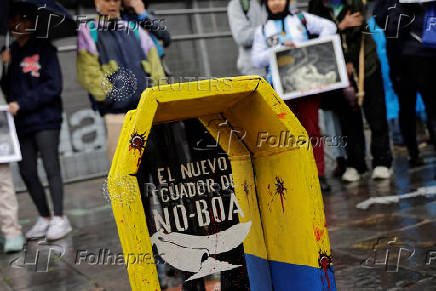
(350, 69)
(6, 57)
(136, 5)
(351, 20)
(289, 43)
(14, 108)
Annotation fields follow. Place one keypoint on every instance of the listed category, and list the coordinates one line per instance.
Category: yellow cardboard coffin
(274, 177)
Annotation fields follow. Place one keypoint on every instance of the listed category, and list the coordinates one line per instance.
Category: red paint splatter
(281, 115)
(324, 262)
(137, 142)
(280, 191)
(247, 191)
(318, 233)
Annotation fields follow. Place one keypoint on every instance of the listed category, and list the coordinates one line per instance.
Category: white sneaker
(351, 175)
(39, 229)
(59, 227)
(381, 173)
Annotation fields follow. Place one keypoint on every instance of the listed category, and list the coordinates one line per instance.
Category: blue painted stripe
(278, 276)
(299, 277)
(258, 273)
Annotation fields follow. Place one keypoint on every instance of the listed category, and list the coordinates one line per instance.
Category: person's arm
(242, 30)
(319, 26)
(152, 66)
(260, 53)
(6, 76)
(90, 73)
(148, 21)
(50, 86)
(156, 27)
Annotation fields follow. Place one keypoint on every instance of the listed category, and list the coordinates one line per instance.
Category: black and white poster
(191, 209)
(9, 145)
(312, 67)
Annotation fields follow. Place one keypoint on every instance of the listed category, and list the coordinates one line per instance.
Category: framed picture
(312, 67)
(9, 145)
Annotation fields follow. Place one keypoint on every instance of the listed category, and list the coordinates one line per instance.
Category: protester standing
(412, 59)
(349, 16)
(288, 29)
(244, 18)
(115, 66)
(33, 87)
(10, 227)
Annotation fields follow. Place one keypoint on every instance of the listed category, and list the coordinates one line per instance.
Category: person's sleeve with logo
(50, 82)
(260, 53)
(90, 74)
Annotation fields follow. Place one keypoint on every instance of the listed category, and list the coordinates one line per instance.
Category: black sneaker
(416, 162)
(325, 187)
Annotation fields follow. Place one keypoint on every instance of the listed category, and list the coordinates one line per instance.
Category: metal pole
(201, 43)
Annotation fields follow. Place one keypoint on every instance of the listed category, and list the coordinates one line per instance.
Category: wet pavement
(387, 246)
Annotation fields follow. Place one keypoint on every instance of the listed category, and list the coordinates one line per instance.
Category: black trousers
(46, 143)
(374, 108)
(416, 74)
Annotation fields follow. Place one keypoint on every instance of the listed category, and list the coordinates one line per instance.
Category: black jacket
(403, 23)
(351, 37)
(34, 80)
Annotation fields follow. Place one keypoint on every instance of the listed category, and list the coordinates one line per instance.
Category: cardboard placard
(265, 231)
(311, 67)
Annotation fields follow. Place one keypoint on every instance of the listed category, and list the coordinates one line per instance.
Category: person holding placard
(411, 35)
(10, 227)
(285, 28)
(350, 16)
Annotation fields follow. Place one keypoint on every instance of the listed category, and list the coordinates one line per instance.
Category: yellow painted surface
(235, 111)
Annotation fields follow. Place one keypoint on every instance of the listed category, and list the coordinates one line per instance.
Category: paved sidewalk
(360, 238)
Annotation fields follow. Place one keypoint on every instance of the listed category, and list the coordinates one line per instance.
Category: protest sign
(311, 67)
(9, 145)
(235, 204)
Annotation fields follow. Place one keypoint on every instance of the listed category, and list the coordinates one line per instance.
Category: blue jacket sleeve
(50, 85)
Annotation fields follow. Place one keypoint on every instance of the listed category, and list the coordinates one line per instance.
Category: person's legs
(8, 204)
(48, 145)
(306, 110)
(114, 125)
(11, 229)
(375, 112)
(424, 74)
(333, 130)
(352, 128)
(406, 92)
(29, 174)
(47, 142)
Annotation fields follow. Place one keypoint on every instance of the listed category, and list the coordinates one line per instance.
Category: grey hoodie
(243, 28)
